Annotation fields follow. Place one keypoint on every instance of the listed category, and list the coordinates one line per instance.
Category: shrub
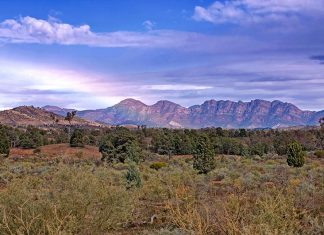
(74, 201)
(107, 150)
(31, 138)
(133, 178)
(26, 142)
(116, 150)
(4, 146)
(319, 153)
(203, 156)
(296, 155)
(76, 139)
(158, 165)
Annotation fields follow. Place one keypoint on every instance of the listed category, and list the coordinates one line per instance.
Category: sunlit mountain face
(93, 54)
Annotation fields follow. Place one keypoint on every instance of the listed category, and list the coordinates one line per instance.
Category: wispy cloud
(319, 58)
(75, 88)
(31, 30)
(149, 25)
(37, 31)
(36, 84)
(175, 87)
(256, 11)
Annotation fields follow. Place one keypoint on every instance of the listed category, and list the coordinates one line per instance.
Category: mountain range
(30, 115)
(224, 113)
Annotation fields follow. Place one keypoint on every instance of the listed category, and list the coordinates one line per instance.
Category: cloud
(261, 77)
(249, 78)
(39, 85)
(31, 30)
(256, 11)
(319, 58)
(52, 31)
(37, 31)
(149, 25)
(176, 87)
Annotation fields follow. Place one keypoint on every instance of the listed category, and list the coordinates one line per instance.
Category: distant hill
(227, 114)
(29, 115)
(58, 110)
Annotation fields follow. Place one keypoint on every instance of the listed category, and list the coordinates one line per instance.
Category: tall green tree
(296, 155)
(203, 155)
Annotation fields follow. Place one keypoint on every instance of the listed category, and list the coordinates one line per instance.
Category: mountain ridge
(222, 113)
(34, 116)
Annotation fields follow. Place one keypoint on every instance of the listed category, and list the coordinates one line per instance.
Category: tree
(296, 155)
(163, 144)
(203, 156)
(31, 138)
(133, 177)
(259, 148)
(321, 132)
(281, 141)
(77, 139)
(70, 115)
(107, 150)
(26, 142)
(243, 133)
(4, 144)
(129, 151)
(119, 146)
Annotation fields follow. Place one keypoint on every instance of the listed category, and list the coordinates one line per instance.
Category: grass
(70, 193)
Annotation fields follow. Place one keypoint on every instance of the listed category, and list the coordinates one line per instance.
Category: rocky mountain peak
(222, 113)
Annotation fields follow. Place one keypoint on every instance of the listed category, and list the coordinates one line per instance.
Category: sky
(87, 54)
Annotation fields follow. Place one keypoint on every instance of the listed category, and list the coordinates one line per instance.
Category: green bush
(296, 155)
(133, 178)
(116, 149)
(77, 139)
(319, 153)
(4, 146)
(203, 156)
(158, 165)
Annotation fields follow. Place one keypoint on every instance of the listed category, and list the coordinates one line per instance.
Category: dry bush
(189, 214)
(72, 201)
(241, 196)
(244, 204)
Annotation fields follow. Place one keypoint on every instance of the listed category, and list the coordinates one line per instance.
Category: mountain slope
(29, 115)
(57, 110)
(228, 114)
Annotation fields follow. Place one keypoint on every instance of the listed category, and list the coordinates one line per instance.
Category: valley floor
(63, 190)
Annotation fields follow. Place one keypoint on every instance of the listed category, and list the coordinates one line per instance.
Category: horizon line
(138, 100)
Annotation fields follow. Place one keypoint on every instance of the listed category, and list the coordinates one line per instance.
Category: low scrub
(319, 153)
(158, 165)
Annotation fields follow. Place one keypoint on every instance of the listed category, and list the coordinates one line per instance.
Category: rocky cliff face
(228, 114)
